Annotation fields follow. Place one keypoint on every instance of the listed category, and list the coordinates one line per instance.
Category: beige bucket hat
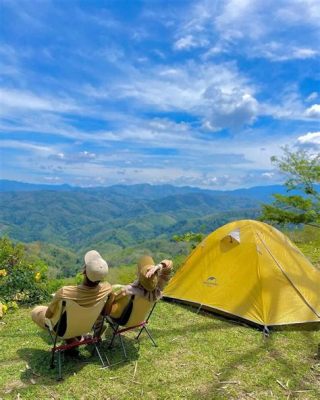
(96, 267)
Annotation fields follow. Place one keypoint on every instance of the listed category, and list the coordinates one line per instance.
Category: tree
(189, 237)
(302, 169)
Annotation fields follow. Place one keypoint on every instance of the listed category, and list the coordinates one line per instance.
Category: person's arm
(107, 308)
(98, 326)
(163, 270)
(164, 274)
(54, 304)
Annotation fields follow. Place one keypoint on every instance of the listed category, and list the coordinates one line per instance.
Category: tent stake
(266, 331)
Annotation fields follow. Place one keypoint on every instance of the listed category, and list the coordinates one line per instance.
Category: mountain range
(119, 220)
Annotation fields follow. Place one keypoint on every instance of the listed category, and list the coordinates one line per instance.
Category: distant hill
(119, 219)
(74, 217)
(139, 190)
(14, 186)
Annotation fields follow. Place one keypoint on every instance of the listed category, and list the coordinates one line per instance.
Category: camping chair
(74, 321)
(136, 314)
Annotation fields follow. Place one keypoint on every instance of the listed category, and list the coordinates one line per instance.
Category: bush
(21, 281)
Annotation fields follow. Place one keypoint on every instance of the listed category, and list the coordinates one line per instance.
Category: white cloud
(268, 175)
(13, 99)
(303, 53)
(286, 105)
(74, 157)
(218, 94)
(298, 12)
(312, 96)
(240, 18)
(313, 111)
(188, 42)
(229, 110)
(252, 28)
(282, 51)
(310, 138)
(27, 146)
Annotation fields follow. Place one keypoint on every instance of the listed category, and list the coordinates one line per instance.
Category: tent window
(235, 235)
(230, 241)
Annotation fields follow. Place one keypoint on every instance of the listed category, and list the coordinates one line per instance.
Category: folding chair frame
(118, 331)
(95, 341)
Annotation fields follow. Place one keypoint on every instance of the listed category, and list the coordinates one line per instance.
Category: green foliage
(122, 275)
(303, 174)
(21, 281)
(61, 262)
(54, 284)
(189, 237)
(308, 240)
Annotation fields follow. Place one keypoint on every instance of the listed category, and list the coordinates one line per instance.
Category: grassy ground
(199, 356)
(308, 240)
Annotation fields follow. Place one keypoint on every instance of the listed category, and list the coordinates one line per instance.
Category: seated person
(150, 282)
(87, 294)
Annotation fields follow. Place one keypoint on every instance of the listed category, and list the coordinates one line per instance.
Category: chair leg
(112, 340)
(148, 333)
(59, 366)
(150, 336)
(100, 356)
(52, 359)
(123, 347)
(137, 337)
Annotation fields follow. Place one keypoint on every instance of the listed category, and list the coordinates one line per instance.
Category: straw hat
(144, 264)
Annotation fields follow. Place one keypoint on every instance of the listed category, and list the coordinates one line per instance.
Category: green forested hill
(120, 221)
(72, 218)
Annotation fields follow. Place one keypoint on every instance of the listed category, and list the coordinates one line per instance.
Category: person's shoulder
(60, 291)
(66, 290)
(70, 287)
(58, 294)
(105, 286)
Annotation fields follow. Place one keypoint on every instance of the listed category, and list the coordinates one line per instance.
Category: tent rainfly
(251, 270)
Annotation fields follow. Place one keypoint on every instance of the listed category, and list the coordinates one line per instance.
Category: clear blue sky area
(197, 93)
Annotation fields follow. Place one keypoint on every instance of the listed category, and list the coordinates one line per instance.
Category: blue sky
(198, 93)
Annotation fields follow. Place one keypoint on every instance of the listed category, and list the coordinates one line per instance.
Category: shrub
(21, 281)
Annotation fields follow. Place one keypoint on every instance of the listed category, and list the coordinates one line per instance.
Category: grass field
(199, 356)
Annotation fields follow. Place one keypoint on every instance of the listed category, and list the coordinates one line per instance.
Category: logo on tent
(211, 281)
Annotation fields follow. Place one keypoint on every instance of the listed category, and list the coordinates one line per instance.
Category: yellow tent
(251, 270)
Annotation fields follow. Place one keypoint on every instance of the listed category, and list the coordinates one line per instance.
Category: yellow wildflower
(4, 308)
(37, 276)
(3, 272)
